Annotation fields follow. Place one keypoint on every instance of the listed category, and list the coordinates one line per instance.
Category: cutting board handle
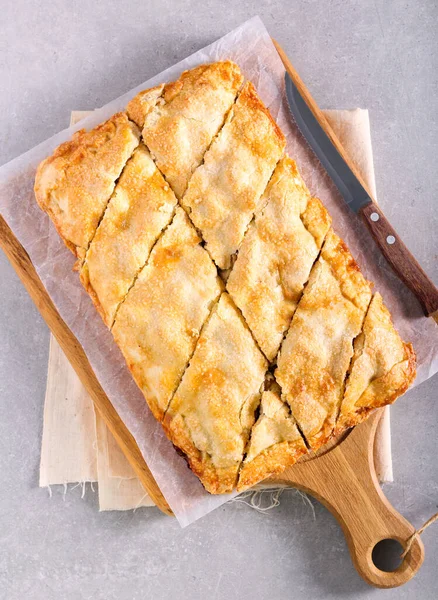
(345, 481)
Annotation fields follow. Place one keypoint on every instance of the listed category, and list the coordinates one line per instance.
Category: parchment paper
(251, 47)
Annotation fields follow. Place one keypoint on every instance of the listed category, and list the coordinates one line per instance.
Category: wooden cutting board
(341, 475)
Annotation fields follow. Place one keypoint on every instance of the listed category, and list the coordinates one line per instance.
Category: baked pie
(242, 316)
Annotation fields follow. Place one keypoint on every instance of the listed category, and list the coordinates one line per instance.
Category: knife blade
(330, 153)
(343, 177)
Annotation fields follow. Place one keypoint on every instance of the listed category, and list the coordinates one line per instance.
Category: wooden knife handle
(400, 259)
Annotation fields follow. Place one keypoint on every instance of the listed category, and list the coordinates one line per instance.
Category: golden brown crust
(315, 356)
(84, 275)
(212, 411)
(382, 368)
(226, 190)
(215, 479)
(141, 206)
(75, 184)
(275, 441)
(180, 128)
(276, 256)
(142, 104)
(272, 461)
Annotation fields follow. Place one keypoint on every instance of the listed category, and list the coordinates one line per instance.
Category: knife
(332, 156)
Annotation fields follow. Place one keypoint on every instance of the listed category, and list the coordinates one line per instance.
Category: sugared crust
(158, 324)
(191, 111)
(140, 208)
(382, 369)
(275, 442)
(142, 104)
(212, 411)
(276, 256)
(74, 184)
(316, 353)
(226, 190)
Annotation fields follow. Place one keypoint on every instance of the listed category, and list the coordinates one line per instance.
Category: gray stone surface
(58, 55)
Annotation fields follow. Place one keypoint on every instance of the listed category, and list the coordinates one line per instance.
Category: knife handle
(400, 259)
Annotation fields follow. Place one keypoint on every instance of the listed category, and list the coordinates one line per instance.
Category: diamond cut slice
(186, 118)
(276, 256)
(212, 411)
(382, 368)
(75, 184)
(226, 190)
(140, 208)
(275, 441)
(158, 325)
(315, 356)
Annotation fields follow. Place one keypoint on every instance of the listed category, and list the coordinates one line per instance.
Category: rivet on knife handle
(400, 259)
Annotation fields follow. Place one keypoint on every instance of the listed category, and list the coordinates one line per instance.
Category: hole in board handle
(386, 555)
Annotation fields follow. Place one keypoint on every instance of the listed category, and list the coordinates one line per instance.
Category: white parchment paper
(250, 46)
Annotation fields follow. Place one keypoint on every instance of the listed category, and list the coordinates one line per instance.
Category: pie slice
(275, 442)
(158, 324)
(382, 369)
(226, 190)
(189, 114)
(74, 185)
(212, 411)
(315, 356)
(142, 104)
(140, 208)
(276, 256)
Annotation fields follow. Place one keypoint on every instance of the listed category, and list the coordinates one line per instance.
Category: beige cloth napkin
(77, 446)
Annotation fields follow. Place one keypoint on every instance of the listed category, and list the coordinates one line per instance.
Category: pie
(242, 316)
(187, 116)
(275, 442)
(313, 361)
(226, 190)
(381, 368)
